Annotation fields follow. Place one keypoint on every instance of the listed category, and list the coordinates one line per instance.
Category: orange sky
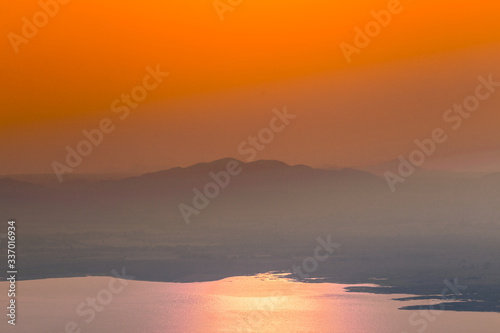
(64, 79)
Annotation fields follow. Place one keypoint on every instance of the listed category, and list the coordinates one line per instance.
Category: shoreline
(462, 303)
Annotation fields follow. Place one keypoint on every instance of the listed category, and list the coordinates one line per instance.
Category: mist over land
(436, 226)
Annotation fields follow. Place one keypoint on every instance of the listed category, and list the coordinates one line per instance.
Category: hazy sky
(227, 76)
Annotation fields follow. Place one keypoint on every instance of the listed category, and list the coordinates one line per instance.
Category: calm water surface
(264, 303)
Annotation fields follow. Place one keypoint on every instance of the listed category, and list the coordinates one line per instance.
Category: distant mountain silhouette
(264, 189)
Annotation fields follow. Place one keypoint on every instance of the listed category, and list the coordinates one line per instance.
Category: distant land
(436, 226)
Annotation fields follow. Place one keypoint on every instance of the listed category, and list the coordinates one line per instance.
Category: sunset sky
(225, 78)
